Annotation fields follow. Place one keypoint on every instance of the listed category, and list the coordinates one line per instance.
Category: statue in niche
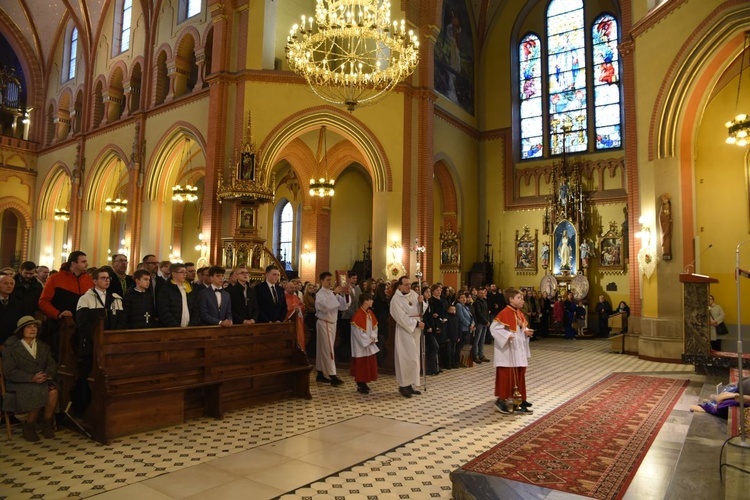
(665, 225)
(564, 251)
(257, 250)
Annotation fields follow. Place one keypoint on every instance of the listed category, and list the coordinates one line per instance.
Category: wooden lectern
(695, 318)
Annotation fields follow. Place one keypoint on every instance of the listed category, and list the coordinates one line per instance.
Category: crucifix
(147, 315)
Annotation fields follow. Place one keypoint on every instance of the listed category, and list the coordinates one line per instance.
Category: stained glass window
(531, 96)
(569, 84)
(606, 83)
(566, 62)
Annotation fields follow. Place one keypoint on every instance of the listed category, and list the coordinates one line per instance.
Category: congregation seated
(30, 371)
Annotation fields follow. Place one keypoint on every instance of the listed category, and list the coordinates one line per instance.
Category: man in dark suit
(214, 303)
(270, 295)
(120, 281)
(28, 289)
(151, 264)
(244, 303)
(11, 307)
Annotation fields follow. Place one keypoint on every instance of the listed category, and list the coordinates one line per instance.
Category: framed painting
(611, 250)
(450, 249)
(526, 251)
(565, 249)
(245, 218)
(247, 166)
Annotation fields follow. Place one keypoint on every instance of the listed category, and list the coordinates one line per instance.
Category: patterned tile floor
(457, 405)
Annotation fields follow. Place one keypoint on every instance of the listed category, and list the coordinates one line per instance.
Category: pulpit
(695, 318)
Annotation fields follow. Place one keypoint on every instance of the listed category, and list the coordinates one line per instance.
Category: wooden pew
(149, 379)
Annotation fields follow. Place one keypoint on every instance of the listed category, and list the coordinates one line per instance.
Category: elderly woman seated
(29, 371)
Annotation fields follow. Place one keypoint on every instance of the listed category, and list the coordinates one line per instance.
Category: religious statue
(585, 252)
(564, 251)
(564, 192)
(545, 255)
(247, 166)
(665, 224)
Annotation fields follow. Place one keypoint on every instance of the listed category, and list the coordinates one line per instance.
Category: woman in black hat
(29, 371)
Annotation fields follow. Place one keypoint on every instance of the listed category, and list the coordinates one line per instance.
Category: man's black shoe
(414, 391)
(526, 404)
(335, 381)
(322, 378)
(405, 391)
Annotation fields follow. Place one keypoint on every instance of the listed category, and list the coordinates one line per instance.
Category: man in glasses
(177, 304)
(120, 280)
(244, 303)
(93, 305)
(151, 264)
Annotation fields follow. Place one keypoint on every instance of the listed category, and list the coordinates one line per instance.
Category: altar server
(511, 333)
(364, 364)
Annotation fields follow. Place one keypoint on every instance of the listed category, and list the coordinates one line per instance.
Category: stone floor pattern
(291, 450)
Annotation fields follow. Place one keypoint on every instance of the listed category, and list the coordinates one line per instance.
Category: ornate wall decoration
(526, 251)
(450, 251)
(611, 257)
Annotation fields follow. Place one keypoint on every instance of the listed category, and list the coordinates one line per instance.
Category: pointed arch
(723, 29)
(52, 186)
(159, 168)
(24, 217)
(445, 174)
(370, 148)
(105, 171)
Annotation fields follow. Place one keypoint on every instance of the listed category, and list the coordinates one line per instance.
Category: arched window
(286, 231)
(127, 16)
(73, 51)
(559, 95)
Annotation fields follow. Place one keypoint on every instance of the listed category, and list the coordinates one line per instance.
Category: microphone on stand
(698, 257)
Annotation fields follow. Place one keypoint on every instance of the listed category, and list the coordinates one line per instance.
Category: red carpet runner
(591, 445)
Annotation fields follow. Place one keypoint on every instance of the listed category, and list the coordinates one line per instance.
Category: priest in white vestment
(405, 305)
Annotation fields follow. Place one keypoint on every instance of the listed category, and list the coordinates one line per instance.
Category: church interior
(553, 145)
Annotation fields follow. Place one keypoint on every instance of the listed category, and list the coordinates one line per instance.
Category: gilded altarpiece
(247, 189)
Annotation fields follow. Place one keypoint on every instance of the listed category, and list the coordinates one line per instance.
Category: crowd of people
(338, 321)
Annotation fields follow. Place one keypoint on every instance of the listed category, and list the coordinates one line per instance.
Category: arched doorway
(10, 244)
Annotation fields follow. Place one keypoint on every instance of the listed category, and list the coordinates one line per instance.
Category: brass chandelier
(351, 53)
(116, 205)
(739, 128)
(187, 192)
(62, 214)
(323, 186)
